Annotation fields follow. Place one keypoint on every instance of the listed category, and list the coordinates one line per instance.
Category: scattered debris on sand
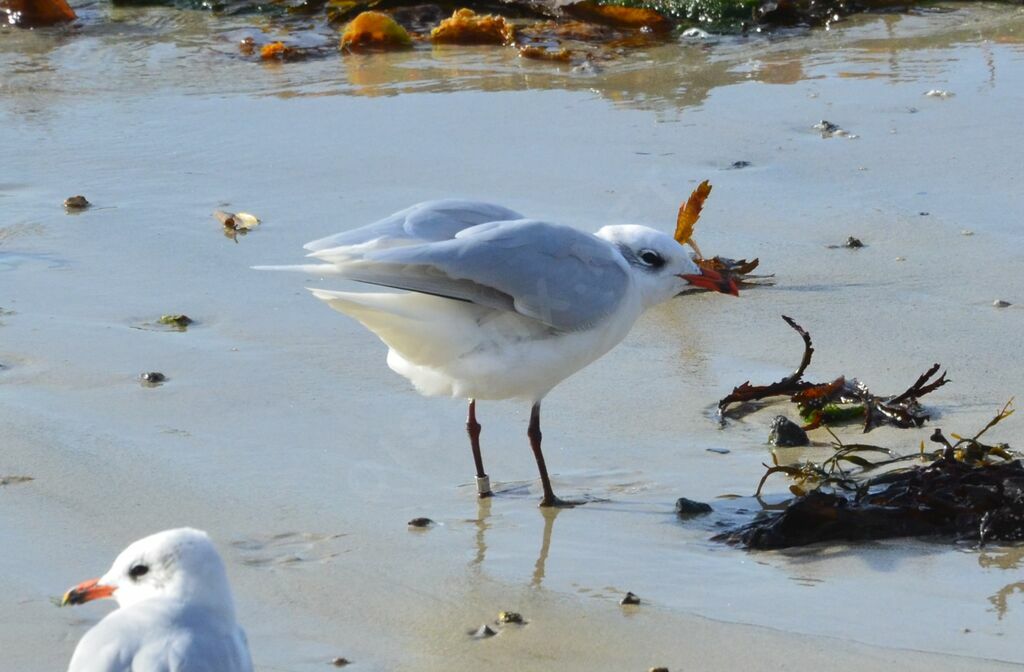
(236, 223)
(483, 632)
(78, 202)
(177, 322)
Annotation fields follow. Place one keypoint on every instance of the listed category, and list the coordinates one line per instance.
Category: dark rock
(738, 165)
(853, 243)
(421, 522)
(785, 433)
(629, 599)
(510, 617)
(687, 507)
(152, 378)
(341, 662)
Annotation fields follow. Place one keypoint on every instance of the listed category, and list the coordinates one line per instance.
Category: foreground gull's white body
(176, 611)
(498, 306)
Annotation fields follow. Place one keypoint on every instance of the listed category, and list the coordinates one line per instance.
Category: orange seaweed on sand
(467, 27)
(619, 16)
(31, 13)
(374, 30)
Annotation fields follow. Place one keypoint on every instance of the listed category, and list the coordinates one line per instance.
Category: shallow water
(281, 431)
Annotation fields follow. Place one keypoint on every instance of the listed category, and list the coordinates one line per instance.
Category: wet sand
(282, 433)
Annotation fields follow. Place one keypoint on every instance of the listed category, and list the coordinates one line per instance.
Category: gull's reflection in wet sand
(482, 525)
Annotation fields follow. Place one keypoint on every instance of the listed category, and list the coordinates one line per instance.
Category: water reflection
(1003, 558)
(132, 50)
(482, 525)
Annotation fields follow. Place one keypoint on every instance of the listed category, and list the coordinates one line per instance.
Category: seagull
(176, 612)
(493, 305)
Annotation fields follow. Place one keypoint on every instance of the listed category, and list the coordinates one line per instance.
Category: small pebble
(421, 522)
(923, 213)
(967, 232)
(658, 669)
(853, 243)
(940, 93)
(901, 258)
(738, 165)
(720, 451)
(510, 617)
(688, 507)
(629, 598)
(483, 632)
(999, 303)
(341, 662)
(76, 202)
(830, 130)
(152, 377)
(696, 33)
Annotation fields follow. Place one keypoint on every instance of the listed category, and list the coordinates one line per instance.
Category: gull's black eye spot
(138, 571)
(652, 258)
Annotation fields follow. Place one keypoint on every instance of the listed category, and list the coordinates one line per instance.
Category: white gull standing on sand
(498, 306)
(176, 612)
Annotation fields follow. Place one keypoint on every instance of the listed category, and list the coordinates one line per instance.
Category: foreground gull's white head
(662, 268)
(498, 306)
(175, 605)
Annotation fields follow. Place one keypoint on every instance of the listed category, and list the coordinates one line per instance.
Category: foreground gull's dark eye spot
(138, 571)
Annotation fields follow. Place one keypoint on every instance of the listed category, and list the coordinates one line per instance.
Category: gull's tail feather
(316, 269)
(425, 330)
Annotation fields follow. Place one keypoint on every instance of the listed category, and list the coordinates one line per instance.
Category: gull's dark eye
(651, 258)
(138, 571)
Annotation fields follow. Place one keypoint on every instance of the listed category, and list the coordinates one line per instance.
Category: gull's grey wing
(549, 272)
(421, 223)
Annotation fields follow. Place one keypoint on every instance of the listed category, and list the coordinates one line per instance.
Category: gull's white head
(662, 268)
(179, 564)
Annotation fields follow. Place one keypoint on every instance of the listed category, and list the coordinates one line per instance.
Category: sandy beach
(282, 433)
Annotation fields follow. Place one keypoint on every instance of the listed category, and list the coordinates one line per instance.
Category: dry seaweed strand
(789, 385)
(818, 402)
(689, 213)
(739, 270)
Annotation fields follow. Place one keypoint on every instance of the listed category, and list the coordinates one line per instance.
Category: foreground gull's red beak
(86, 591)
(714, 281)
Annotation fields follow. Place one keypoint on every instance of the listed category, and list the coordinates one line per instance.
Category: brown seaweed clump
(969, 491)
(465, 26)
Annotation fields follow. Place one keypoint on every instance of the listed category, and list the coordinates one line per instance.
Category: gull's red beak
(713, 280)
(86, 592)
